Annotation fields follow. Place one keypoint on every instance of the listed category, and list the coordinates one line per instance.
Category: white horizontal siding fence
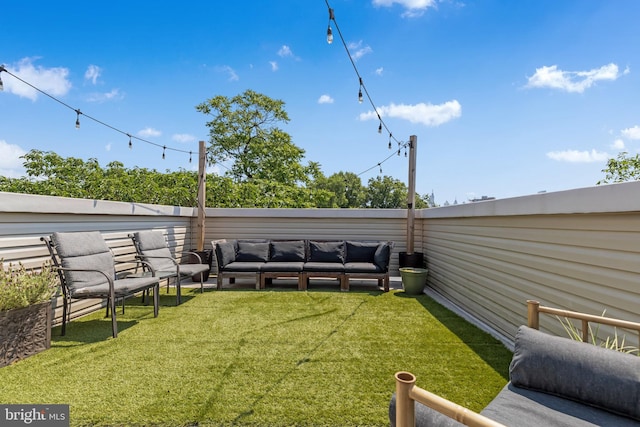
(577, 249)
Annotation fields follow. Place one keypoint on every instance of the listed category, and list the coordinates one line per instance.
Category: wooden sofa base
(232, 275)
(383, 279)
(265, 276)
(344, 285)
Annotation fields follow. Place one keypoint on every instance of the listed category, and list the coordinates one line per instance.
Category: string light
(362, 91)
(1, 84)
(189, 156)
(329, 32)
(78, 113)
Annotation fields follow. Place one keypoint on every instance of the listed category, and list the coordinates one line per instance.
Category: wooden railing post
(405, 405)
(533, 316)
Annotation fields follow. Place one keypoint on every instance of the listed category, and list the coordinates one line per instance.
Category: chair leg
(65, 307)
(156, 299)
(114, 323)
(178, 294)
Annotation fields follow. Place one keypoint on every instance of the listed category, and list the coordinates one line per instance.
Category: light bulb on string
(390, 136)
(380, 166)
(360, 92)
(189, 156)
(163, 150)
(1, 84)
(78, 112)
(380, 128)
(329, 31)
(130, 143)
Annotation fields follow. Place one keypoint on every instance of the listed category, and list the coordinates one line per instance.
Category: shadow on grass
(493, 355)
(87, 331)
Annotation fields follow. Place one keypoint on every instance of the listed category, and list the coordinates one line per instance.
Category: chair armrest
(142, 259)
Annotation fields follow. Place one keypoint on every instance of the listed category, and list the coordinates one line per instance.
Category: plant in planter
(25, 311)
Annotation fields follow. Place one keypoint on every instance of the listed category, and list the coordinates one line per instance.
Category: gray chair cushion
(153, 245)
(326, 252)
(88, 251)
(252, 251)
(360, 251)
(515, 406)
(582, 372)
(288, 251)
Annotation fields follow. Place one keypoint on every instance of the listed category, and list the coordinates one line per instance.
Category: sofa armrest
(436, 411)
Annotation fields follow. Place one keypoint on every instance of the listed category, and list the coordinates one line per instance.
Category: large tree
(244, 130)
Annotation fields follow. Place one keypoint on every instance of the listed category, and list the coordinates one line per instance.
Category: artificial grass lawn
(267, 358)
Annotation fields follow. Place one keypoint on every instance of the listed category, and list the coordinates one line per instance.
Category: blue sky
(506, 98)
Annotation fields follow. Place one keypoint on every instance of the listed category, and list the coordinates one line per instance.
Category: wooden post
(405, 406)
(202, 175)
(411, 196)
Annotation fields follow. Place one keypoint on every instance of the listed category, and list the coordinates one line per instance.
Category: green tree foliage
(621, 169)
(345, 188)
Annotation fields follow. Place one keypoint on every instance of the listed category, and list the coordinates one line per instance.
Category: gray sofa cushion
(243, 267)
(360, 251)
(225, 253)
(287, 251)
(326, 252)
(585, 373)
(282, 266)
(325, 267)
(362, 267)
(515, 406)
(381, 256)
(252, 251)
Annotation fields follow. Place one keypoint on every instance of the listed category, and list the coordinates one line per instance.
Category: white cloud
(114, 94)
(571, 81)
(575, 156)
(233, 76)
(325, 99)
(618, 144)
(107, 147)
(379, 71)
(631, 133)
(51, 80)
(10, 161)
(149, 132)
(358, 51)
(285, 51)
(274, 65)
(92, 73)
(183, 138)
(426, 114)
(413, 8)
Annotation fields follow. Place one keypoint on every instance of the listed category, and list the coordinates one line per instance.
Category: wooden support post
(202, 175)
(411, 196)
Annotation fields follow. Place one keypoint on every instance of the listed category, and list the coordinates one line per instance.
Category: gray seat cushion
(273, 266)
(362, 267)
(153, 246)
(360, 251)
(244, 267)
(520, 407)
(325, 267)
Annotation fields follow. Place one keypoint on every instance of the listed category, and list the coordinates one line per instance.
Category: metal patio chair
(152, 248)
(86, 267)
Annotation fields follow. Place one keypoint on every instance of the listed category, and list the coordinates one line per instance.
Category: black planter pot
(415, 259)
(206, 257)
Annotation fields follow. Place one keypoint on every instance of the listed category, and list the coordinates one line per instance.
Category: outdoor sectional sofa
(303, 259)
(553, 381)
